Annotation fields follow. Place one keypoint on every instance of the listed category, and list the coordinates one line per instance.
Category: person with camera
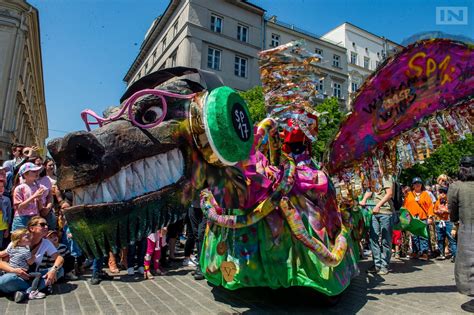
(443, 225)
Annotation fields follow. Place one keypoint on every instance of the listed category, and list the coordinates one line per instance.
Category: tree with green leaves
(329, 124)
(255, 102)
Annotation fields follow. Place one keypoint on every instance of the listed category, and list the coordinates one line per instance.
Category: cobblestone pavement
(412, 287)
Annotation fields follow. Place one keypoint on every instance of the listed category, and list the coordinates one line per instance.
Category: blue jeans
(136, 253)
(20, 221)
(444, 232)
(10, 282)
(420, 244)
(97, 265)
(382, 225)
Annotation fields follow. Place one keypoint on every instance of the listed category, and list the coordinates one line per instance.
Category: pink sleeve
(18, 195)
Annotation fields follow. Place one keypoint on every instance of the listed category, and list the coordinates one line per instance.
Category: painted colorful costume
(273, 214)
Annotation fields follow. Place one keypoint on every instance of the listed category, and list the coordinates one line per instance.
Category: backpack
(397, 201)
(397, 196)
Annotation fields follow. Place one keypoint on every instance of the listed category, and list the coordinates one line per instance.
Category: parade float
(273, 213)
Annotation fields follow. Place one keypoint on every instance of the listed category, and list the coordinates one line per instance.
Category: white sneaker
(71, 276)
(188, 262)
(36, 295)
(130, 271)
(141, 270)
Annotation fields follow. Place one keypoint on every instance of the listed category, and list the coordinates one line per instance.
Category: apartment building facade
(225, 36)
(22, 101)
(365, 52)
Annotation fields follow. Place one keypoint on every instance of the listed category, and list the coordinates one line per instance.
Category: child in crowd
(5, 214)
(443, 224)
(27, 197)
(46, 211)
(20, 256)
(62, 249)
(155, 241)
(397, 242)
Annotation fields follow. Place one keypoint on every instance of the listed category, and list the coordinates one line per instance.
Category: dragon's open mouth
(134, 180)
(141, 197)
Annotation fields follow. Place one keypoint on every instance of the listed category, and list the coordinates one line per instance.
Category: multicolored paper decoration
(290, 78)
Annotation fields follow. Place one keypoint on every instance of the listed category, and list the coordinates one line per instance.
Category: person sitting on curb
(15, 281)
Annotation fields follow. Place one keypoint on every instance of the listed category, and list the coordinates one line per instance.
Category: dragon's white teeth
(122, 182)
(112, 186)
(107, 196)
(163, 168)
(98, 193)
(79, 196)
(87, 198)
(173, 158)
(126, 182)
(150, 174)
(138, 169)
(138, 178)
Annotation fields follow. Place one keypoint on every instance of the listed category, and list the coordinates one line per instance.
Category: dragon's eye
(152, 114)
(149, 109)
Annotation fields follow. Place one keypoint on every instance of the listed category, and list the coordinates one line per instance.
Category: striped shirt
(48, 261)
(19, 256)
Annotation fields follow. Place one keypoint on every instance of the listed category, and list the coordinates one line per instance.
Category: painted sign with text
(426, 77)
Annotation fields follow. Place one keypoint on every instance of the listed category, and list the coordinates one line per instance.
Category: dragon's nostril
(83, 155)
(81, 148)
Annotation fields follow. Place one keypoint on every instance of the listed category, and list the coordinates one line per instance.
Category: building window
(242, 33)
(320, 86)
(164, 44)
(377, 64)
(240, 67)
(175, 29)
(318, 51)
(353, 58)
(354, 86)
(173, 59)
(275, 40)
(366, 62)
(214, 58)
(335, 60)
(336, 91)
(216, 24)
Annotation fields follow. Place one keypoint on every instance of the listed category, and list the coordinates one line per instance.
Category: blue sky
(88, 45)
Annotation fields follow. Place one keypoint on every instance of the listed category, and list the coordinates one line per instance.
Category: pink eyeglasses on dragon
(128, 106)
